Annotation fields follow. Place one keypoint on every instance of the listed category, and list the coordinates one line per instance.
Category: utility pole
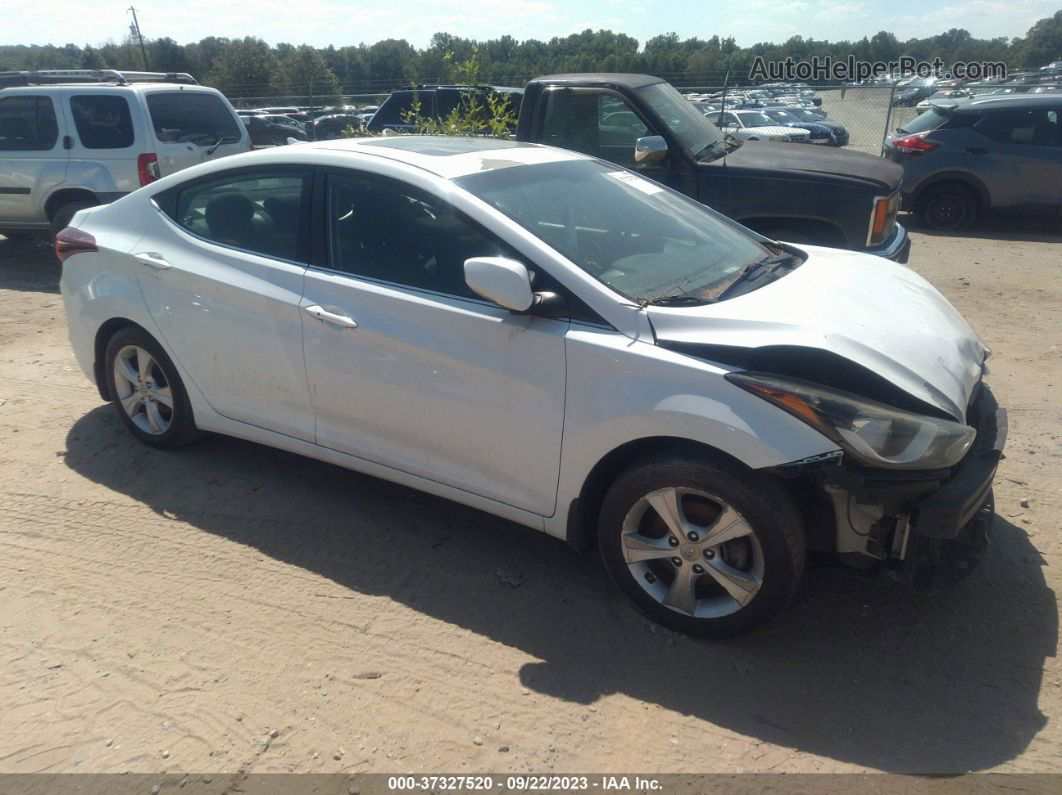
(135, 29)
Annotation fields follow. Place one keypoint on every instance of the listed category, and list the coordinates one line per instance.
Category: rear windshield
(924, 122)
(191, 117)
(102, 121)
(401, 102)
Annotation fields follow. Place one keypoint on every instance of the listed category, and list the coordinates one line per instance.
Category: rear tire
(946, 207)
(701, 546)
(146, 390)
(65, 214)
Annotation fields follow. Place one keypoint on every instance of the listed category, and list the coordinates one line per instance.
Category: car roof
(450, 157)
(138, 88)
(1006, 101)
(609, 78)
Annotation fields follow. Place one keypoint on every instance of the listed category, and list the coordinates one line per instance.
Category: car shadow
(29, 264)
(861, 672)
(999, 227)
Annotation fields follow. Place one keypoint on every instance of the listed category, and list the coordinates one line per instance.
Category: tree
(304, 76)
(244, 69)
(1042, 44)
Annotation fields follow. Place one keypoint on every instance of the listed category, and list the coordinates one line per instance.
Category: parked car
(961, 158)
(818, 133)
(76, 138)
(324, 128)
(446, 310)
(436, 102)
(272, 129)
(747, 125)
(915, 92)
(839, 131)
(799, 194)
(953, 93)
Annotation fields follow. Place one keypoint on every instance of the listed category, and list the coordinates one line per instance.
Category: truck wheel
(947, 206)
(63, 216)
(703, 547)
(146, 390)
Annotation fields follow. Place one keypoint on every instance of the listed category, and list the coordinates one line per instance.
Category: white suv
(72, 139)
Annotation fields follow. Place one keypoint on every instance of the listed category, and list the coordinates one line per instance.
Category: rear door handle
(335, 319)
(152, 259)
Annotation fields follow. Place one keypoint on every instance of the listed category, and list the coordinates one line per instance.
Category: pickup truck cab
(800, 194)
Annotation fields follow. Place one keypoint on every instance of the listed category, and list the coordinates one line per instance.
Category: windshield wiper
(226, 139)
(678, 300)
(754, 270)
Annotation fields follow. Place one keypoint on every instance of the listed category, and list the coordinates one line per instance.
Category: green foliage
(243, 66)
(1042, 44)
(477, 113)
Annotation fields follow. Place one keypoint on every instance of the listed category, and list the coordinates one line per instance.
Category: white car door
(408, 368)
(33, 158)
(222, 272)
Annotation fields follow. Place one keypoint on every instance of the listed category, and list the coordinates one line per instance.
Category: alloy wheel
(692, 552)
(143, 391)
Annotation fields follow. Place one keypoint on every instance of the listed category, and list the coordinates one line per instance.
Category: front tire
(147, 391)
(703, 547)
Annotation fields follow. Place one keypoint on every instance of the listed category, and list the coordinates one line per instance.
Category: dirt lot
(232, 606)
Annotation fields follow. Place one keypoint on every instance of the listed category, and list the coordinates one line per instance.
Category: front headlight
(873, 433)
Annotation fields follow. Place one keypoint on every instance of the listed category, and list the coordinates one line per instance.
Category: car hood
(872, 312)
(772, 130)
(838, 162)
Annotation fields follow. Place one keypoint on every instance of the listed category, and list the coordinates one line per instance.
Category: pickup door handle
(335, 319)
(152, 260)
(977, 150)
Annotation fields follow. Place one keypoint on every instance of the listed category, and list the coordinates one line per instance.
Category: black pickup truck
(799, 194)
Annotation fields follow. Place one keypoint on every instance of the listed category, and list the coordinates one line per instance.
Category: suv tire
(66, 213)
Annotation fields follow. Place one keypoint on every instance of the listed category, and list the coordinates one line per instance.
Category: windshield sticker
(636, 182)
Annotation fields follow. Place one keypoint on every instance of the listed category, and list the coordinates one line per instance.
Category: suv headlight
(871, 432)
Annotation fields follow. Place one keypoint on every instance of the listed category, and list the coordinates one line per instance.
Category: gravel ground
(234, 607)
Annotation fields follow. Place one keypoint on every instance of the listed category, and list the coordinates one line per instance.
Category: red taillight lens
(914, 144)
(147, 168)
(72, 241)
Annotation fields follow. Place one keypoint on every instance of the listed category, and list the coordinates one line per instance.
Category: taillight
(70, 241)
(147, 168)
(914, 144)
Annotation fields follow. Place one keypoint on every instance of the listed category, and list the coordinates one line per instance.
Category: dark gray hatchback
(1001, 153)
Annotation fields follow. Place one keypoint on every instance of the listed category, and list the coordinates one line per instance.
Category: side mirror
(649, 150)
(504, 281)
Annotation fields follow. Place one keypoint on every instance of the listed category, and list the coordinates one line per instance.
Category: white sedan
(750, 125)
(554, 340)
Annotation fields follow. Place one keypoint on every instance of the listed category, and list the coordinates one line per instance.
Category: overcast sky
(342, 22)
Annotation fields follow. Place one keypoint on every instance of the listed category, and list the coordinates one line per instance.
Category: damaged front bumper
(927, 528)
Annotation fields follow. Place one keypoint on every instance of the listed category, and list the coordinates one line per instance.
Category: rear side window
(102, 121)
(1036, 127)
(27, 124)
(185, 116)
(260, 212)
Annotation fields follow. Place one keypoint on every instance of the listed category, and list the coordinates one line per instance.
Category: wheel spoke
(727, 526)
(681, 593)
(130, 402)
(126, 370)
(668, 506)
(742, 585)
(637, 547)
(154, 418)
(163, 395)
(144, 362)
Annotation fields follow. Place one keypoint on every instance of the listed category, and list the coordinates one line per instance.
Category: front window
(634, 235)
(755, 120)
(696, 134)
(27, 123)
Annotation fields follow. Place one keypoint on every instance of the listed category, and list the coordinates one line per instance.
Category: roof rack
(38, 77)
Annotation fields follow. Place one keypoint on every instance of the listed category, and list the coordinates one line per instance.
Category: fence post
(888, 119)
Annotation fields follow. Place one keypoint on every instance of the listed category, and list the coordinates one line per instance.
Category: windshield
(781, 115)
(694, 132)
(803, 115)
(634, 235)
(754, 120)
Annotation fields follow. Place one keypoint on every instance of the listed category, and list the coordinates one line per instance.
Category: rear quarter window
(102, 121)
(191, 117)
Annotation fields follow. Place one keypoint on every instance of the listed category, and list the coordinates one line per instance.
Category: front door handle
(152, 260)
(335, 319)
